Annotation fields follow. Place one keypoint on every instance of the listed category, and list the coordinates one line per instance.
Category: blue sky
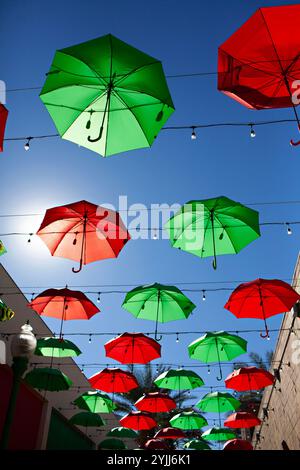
(185, 37)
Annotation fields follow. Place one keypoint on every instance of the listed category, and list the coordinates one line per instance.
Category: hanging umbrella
(249, 378)
(49, 379)
(155, 402)
(179, 379)
(218, 434)
(218, 402)
(112, 444)
(64, 304)
(262, 298)
(138, 421)
(188, 420)
(158, 302)
(96, 402)
(242, 419)
(238, 444)
(113, 380)
(3, 118)
(156, 444)
(87, 419)
(56, 347)
(132, 348)
(107, 96)
(170, 433)
(125, 433)
(83, 232)
(6, 313)
(212, 227)
(217, 347)
(2, 248)
(259, 63)
(196, 444)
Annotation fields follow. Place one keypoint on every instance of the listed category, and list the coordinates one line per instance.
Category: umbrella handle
(79, 269)
(157, 338)
(97, 138)
(214, 263)
(221, 375)
(292, 142)
(266, 335)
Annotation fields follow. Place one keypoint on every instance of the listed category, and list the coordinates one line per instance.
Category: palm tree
(145, 376)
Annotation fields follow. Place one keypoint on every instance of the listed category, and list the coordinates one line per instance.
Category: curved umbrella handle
(79, 269)
(266, 335)
(97, 138)
(221, 375)
(292, 142)
(157, 338)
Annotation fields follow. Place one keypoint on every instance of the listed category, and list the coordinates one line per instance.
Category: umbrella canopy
(56, 347)
(262, 298)
(212, 227)
(87, 419)
(132, 348)
(3, 118)
(138, 421)
(83, 232)
(6, 313)
(107, 96)
(125, 433)
(113, 380)
(249, 378)
(217, 347)
(2, 248)
(170, 433)
(218, 434)
(188, 420)
(49, 379)
(242, 419)
(196, 444)
(155, 402)
(156, 444)
(218, 402)
(96, 402)
(159, 303)
(179, 379)
(112, 444)
(237, 444)
(259, 63)
(64, 304)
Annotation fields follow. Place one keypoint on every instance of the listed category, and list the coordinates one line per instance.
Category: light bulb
(252, 132)
(155, 235)
(98, 298)
(289, 230)
(193, 135)
(203, 296)
(177, 338)
(27, 144)
(90, 339)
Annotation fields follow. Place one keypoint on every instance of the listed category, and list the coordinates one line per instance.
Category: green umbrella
(196, 444)
(217, 347)
(218, 402)
(107, 96)
(123, 432)
(47, 378)
(56, 347)
(179, 379)
(188, 420)
(212, 227)
(6, 313)
(113, 444)
(158, 302)
(218, 434)
(87, 419)
(96, 402)
(2, 248)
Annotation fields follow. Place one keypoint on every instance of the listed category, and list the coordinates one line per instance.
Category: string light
(27, 144)
(177, 338)
(29, 239)
(208, 370)
(155, 236)
(193, 135)
(252, 131)
(203, 296)
(98, 298)
(289, 230)
(90, 338)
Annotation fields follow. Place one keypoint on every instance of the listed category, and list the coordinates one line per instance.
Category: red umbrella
(155, 402)
(262, 298)
(132, 348)
(3, 118)
(169, 433)
(249, 378)
(156, 444)
(238, 444)
(258, 64)
(83, 232)
(242, 419)
(138, 421)
(64, 304)
(113, 380)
